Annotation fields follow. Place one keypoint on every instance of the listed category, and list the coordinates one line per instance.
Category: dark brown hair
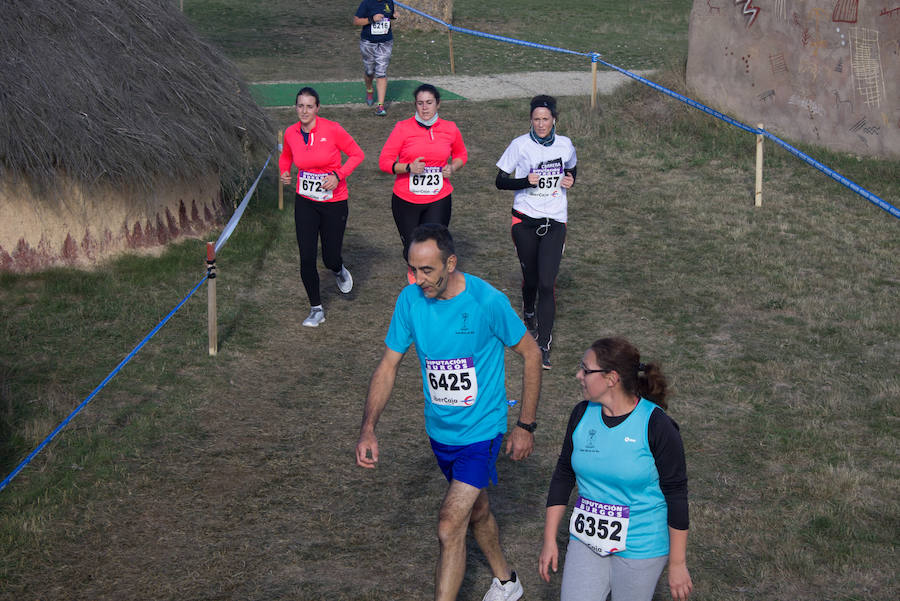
(433, 231)
(307, 91)
(427, 87)
(645, 380)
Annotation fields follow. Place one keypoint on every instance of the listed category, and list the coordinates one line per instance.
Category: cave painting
(819, 71)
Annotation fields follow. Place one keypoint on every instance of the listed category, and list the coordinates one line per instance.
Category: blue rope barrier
(223, 238)
(595, 58)
(500, 38)
(681, 97)
(490, 36)
(421, 14)
(878, 202)
(875, 200)
(100, 387)
(239, 212)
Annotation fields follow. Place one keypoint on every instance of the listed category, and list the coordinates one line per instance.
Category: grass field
(232, 477)
(312, 41)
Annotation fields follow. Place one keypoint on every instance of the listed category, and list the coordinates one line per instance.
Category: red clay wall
(74, 227)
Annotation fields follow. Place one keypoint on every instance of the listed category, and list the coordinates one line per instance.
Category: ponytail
(638, 379)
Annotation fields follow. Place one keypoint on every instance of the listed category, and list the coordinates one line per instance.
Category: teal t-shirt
(460, 342)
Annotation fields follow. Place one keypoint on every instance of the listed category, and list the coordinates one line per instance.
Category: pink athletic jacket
(409, 141)
(322, 154)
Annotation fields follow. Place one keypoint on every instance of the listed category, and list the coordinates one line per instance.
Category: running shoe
(379, 110)
(370, 99)
(344, 280)
(545, 359)
(510, 591)
(316, 316)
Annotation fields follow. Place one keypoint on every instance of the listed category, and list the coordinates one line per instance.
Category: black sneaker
(545, 358)
(531, 323)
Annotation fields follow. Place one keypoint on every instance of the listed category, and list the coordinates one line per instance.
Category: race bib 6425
(452, 382)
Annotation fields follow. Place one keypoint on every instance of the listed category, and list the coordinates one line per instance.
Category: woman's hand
(417, 166)
(533, 179)
(549, 559)
(567, 181)
(680, 584)
(286, 178)
(331, 182)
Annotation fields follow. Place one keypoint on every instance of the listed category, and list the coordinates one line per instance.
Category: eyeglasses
(588, 372)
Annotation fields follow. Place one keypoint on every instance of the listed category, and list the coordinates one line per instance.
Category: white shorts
(376, 57)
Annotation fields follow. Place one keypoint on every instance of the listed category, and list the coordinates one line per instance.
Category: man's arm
(520, 442)
(380, 387)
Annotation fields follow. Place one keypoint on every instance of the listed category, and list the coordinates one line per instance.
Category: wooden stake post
(211, 295)
(594, 84)
(277, 168)
(759, 167)
(452, 64)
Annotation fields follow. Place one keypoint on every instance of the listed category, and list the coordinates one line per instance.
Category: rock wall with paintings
(826, 72)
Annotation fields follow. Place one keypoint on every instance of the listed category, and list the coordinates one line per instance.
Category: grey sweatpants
(590, 577)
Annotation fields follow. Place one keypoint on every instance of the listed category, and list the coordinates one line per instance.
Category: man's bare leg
(487, 534)
(453, 522)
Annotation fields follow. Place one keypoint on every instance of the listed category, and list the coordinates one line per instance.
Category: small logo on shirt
(590, 442)
(324, 139)
(630, 439)
(464, 328)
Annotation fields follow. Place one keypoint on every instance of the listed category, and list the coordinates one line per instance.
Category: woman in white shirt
(540, 167)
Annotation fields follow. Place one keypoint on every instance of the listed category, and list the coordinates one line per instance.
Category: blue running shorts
(475, 464)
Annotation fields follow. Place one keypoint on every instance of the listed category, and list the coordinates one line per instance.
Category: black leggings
(539, 244)
(409, 215)
(314, 220)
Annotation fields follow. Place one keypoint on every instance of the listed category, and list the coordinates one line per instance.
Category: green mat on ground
(337, 92)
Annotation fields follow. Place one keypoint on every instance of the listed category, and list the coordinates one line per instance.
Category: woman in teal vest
(625, 454)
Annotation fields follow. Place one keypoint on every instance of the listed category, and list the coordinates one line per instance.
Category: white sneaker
(510, 591)
(344, 280)
(316, 316)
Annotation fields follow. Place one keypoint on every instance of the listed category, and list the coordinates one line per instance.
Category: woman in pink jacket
(423, 151)
(314, 145)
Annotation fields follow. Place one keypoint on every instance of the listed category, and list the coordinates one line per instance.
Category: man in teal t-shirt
(460, 325)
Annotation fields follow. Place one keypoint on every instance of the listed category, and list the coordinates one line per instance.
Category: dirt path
(519, 85)
(524, 85)
(260, 498)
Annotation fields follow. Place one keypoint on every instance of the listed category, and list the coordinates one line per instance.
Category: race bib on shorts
(429, 182)
(601, 526)
(381, 27)
(549, 183)
(310, 186)
(452, 382)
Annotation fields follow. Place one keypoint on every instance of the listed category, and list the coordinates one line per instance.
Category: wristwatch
(529, 427)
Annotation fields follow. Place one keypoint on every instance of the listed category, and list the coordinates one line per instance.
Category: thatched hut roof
(118, 92)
